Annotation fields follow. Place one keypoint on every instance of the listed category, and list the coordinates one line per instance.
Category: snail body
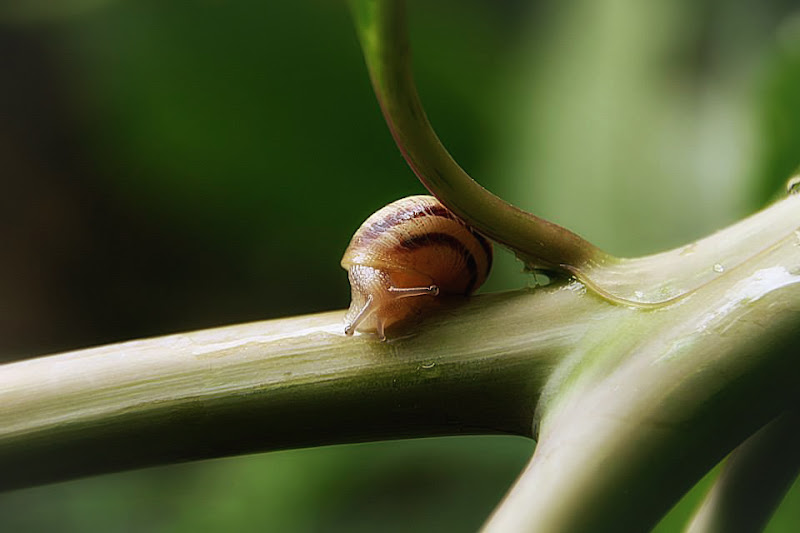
(404, 255)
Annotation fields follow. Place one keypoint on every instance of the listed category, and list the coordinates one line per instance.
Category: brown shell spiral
(405, 254)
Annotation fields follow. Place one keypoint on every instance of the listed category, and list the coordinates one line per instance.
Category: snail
(403, 256)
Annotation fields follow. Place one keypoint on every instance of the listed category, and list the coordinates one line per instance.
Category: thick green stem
(635, 418)
(633, 405)
(473, 368)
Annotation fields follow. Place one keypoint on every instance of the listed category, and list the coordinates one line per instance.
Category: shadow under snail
(406, 254)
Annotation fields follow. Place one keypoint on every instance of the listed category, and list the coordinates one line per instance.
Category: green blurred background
(176, 165)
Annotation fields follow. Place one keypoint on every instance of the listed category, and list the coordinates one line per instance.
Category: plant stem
(473, 368)
(381, 26)
(634, 419)
(644, 282)
(634, 405)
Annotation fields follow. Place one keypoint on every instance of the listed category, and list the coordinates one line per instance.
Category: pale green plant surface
(622, 400)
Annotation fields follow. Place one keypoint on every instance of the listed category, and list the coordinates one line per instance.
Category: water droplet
(793, 185)
(428, 365)
(719, 268)
(638, 294)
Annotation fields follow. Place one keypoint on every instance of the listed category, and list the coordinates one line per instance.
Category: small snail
(405, 254)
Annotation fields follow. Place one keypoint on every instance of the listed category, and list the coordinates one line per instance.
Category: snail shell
(404, 255)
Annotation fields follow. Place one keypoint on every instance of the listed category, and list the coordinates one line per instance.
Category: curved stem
(643, 282)
(381, 26)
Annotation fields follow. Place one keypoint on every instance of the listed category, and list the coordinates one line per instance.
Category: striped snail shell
(404, 255)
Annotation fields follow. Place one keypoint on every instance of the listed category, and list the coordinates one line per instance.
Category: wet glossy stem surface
(476, 368)
(643, 409)
(633, 405)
